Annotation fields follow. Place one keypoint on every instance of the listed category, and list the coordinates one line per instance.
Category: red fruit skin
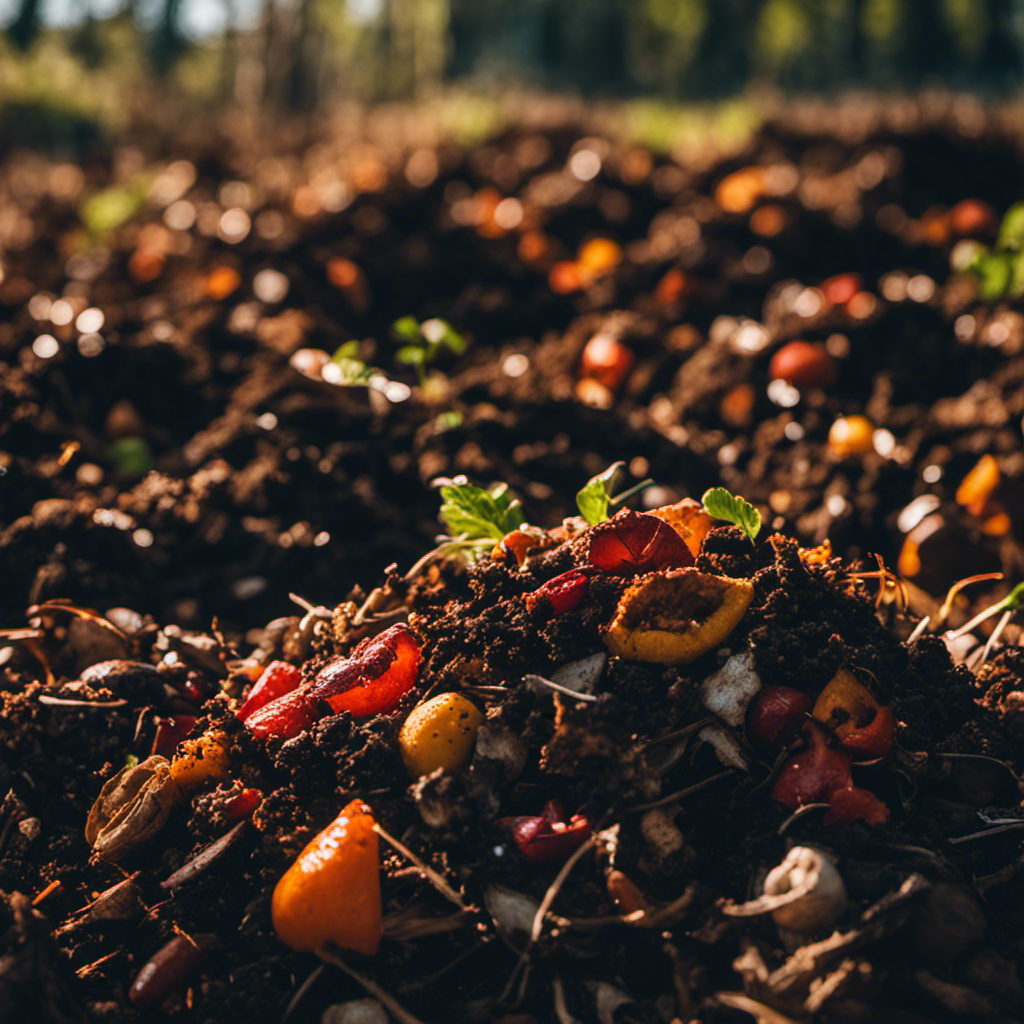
(633, 542)
(548, 839)
(775, 716)
(278, 678)
(813, 775)
(285, 717)
(374, 678)
(840, 289)
(804, 365)
(874, 740)
(565, 593)
(243, 806)
(855, 804)
(170, 732)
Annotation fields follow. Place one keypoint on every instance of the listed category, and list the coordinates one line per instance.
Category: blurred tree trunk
(1001, 54)
(167, 43)
(23, 31)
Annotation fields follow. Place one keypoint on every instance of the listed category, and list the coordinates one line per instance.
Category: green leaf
(452, 340)
(104, 211)
(994, 270)
(411, 356)
(350, 350)
(131, 457)
(1011, 231)
(594, 497)
(475, 514)
(723, 505)
(448, 420)
(407, 329)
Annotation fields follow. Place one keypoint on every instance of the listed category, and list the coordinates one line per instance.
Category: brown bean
(170, 968)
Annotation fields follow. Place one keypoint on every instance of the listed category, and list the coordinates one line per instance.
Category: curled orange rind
(689, 519)
(674, 616)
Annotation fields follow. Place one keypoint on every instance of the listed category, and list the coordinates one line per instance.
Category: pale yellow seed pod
(440, 733)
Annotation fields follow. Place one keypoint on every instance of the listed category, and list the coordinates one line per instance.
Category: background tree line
(300, 53)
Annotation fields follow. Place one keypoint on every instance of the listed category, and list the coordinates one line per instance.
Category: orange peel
(689, 519)
(674, 616)
(332, 891)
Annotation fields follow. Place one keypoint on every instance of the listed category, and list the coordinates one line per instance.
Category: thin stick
(554, 887)
(402, 1015)
(978, 619)
(678, 734)
(55, 884)
(424, 869)
(541, 681)
(301, 991)
(672, 797)
(1014, 826)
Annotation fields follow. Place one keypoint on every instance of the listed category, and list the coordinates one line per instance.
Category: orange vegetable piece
(202, 760)
(222, 282)
(689, 519)
(739, 191)
(851, 435)
(978, 486)
(332, 891)
(862, 725)
(598, 257)
(564, 278)
(674, 616)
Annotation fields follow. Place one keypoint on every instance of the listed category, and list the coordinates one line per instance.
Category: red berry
(607, 360)
(775, 715)
(840, 289)
(242, 806)
(804, 365)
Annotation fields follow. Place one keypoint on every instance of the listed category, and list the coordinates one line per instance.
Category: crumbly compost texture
(932, 931)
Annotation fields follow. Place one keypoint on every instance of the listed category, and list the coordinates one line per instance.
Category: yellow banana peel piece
(674, 616)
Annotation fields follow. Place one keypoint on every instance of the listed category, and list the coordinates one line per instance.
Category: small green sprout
(720, 504)
(423, 344)
(472, 514)
(107, 210)
(346, 369)
(596, 496)
(1000, 270)
(131, 457)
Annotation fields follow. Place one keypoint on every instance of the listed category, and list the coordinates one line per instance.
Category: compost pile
(619, 731)
(169, 440)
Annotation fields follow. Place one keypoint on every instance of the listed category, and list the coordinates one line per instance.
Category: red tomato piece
(374, 678)
(286, 717)
(549, 838)
(278, 678)
(855, 804)
(565, 593)
(243, 805)
(814, 774)
(634, 542)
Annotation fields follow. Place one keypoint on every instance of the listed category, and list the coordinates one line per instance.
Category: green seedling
(131, 457)
(1000, 270)
(720, 504)
(348, 370)
(423, 344)
(598, 495)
